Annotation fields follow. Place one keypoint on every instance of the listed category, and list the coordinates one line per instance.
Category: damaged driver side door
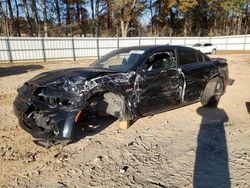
(161, 84)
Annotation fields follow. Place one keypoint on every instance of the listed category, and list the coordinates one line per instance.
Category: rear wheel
(212, 93)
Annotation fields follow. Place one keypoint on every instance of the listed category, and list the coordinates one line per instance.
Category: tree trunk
(125, 20)
(92, 17)
(84, 29)
(58, 12)
(80, 18)
(124, 27)
(35, 17)
(26, 11)
(109, 15)
(5, 19)
(11, 15)
(246, 24)
(17, 20)
(239, 25)
(97, 18)
(151, 14)
(78, 15)
(45, 28)
(68, 20)
(185, 26)
(14, 22)
(215, 28)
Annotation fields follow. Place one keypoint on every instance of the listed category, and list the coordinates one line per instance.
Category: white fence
(33, 49)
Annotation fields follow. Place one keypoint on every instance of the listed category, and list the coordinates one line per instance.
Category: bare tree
(68, 19)
(151, 15)
(45, 27)
(81, 17)
(58, 12)
(109, 13)
(14, 21)
(92, 17)
(27, 15)
(3, 15)
(35, 17)
(97, 28)
(17, 25)
(126, 11)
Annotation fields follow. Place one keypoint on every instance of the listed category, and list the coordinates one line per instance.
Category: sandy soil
(188, 147)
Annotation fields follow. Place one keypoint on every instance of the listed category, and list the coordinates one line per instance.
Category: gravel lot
(188, 147)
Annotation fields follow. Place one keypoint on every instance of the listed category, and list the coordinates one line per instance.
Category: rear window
(187, 56)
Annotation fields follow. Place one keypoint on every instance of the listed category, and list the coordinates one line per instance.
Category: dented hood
(51, 76)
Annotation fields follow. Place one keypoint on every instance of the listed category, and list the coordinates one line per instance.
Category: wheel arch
(111, 103)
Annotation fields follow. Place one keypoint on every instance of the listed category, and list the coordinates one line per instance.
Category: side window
(161, 60)
(207, 44)
(200, 57)
(187, 57)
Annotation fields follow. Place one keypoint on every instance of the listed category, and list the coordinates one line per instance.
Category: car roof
(154, 47)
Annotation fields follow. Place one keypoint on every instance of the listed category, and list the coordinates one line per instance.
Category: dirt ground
(189, 147)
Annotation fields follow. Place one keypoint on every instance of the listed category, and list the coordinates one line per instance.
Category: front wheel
(212, 93)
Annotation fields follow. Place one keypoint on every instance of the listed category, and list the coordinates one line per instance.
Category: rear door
(195, 70)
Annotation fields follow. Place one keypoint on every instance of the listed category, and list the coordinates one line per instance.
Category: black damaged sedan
(128, 83)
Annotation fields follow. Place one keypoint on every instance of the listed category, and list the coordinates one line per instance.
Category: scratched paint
(47, 104)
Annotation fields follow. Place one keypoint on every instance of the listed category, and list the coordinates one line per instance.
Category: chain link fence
(44, 49)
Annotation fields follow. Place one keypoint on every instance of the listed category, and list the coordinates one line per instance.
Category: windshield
(197, 45)
(119, 60)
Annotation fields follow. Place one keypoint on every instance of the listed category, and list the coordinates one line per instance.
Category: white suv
(206, 48)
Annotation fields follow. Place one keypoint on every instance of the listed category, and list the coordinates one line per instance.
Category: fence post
(118, 45)
(73, 49)
(226, 42)
(97, 47)
(43, 49)
(171, 40)
(139, 40)
(245, 40)
(9, 49)
(155, 40)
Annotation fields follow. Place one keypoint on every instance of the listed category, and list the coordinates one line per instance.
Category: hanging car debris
(127, 83)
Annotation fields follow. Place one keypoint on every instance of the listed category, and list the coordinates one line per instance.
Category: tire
(213, 51)
(213, 92)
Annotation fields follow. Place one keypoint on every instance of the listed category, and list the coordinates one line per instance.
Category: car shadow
(211, 163)
(90, 128)
(15, 70)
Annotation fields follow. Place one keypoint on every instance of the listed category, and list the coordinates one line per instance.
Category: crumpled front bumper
(63, 120)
